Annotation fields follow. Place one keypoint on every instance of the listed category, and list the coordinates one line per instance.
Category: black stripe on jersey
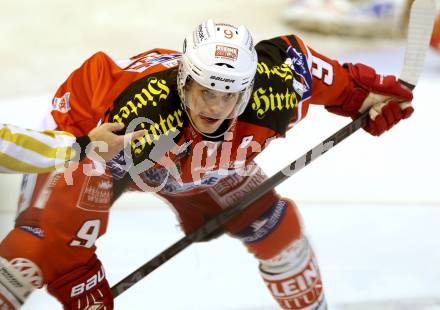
(152, 104)
(274, 100)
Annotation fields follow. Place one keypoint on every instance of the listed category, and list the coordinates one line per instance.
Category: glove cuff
(78, 282)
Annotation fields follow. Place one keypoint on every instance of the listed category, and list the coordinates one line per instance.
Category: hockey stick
(419, 32)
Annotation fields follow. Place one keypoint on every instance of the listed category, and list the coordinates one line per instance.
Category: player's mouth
(209, 120)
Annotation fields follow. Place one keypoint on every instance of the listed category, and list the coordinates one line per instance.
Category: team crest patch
(96, 194)
(61, 104)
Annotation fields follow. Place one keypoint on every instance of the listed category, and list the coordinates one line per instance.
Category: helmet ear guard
(220, 57)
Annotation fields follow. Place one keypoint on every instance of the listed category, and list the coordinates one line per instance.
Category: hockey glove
(387, 100)
(84, 288)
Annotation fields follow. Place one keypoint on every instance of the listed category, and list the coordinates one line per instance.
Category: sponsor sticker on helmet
(228, 52)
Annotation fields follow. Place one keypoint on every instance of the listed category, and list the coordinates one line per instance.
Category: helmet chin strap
(215, 135)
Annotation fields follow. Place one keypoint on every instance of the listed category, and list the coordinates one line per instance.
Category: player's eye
(207, 93)
(229, 96)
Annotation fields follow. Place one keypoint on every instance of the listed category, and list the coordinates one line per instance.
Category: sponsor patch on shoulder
(61, 104)
(297, 61)
(145, 61)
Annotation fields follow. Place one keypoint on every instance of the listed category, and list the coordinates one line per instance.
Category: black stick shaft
(215, 223)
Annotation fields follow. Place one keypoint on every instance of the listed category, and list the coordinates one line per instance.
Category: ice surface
(367, 253)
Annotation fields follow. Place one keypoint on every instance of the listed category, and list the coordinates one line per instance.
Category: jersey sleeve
(319, 79)
(29, 151)
(80, 102)
(332, 83)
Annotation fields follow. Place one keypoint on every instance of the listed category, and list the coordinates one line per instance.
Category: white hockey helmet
(221, 57)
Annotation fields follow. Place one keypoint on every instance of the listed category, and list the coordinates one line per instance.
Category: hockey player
(206, 112)
(30, 151)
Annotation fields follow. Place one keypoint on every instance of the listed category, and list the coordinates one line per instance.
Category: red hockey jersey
(142, 93)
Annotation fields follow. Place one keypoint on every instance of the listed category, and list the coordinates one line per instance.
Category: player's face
(209, 108)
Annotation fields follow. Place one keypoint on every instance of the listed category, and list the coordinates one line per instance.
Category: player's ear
(189, 83)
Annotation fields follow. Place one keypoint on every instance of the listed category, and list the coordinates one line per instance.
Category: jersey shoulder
(154, 60)
(278, 48)
(152, 104)
(282, 83)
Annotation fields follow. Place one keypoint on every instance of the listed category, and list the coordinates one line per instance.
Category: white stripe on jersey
(52, 138)
(20, 153)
